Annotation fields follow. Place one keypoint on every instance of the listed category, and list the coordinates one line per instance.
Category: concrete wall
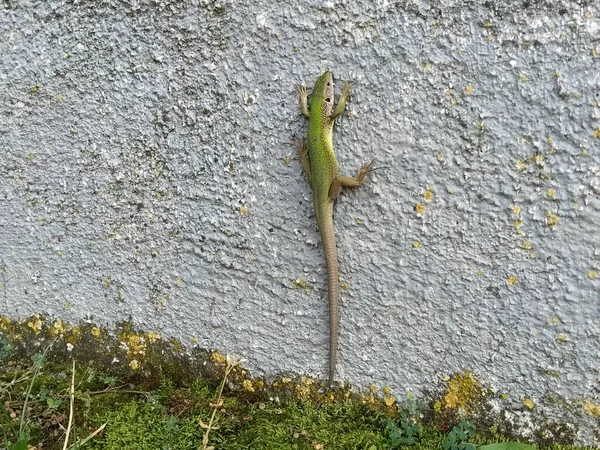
(145, 172)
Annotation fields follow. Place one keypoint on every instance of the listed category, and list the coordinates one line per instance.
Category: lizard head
(322, 93)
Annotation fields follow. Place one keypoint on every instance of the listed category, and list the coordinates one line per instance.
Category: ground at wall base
(155, 393)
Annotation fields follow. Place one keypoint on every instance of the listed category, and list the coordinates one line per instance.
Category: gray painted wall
(145, 172)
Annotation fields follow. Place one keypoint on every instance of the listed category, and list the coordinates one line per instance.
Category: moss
(161, 402)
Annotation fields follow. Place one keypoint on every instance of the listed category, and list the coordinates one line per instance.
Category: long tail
(331, 262)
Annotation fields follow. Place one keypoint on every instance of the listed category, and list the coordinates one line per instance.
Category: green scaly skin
(319, 164)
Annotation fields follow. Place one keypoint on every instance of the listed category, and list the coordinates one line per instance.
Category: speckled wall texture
(146, 172)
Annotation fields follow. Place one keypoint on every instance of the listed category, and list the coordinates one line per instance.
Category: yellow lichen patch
(512, 280)
(427, 68)
(528, 403)
(551, 219)
(592, 409)
(592, 274)
(134, 365)
(416, 244)
(440, 156)
(35, 323)
(521, 165)
(562, 337)
(527, 245)
(550, 193)
(539, 159)
(153, 336)
(516, 209)
(301, 283)
(369, 399)
(136, 344)
(219, 358)
(58, 327)
(96, 332)
(286, 380)
(462, 393)
(597, 133)
(523, 78)
(248, 387)
(389, 400)
(302, 392)
(307, 381)
(469, 89)
(420, 208)
(555, 320)
(480, 273)
(427, 196)
(4, 323)
(595, 52)
(244, 211)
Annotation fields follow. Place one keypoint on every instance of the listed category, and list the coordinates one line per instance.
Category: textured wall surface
(145, 172)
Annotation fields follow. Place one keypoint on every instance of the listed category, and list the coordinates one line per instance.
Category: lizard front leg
(341, 104)
(303, 100)
(304, 158)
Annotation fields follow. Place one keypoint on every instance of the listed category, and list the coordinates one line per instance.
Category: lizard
(319, 163)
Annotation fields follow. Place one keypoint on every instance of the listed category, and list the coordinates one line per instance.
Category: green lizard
(319, 164)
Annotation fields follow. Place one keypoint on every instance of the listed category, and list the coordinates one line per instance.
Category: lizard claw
(301, 90)
(368, 167)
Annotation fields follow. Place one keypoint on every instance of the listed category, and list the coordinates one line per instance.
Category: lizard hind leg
(342, 181)
(360, 177)
(335, 188)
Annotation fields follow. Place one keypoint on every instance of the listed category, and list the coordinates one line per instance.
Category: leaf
(21, 444)
(507, 446)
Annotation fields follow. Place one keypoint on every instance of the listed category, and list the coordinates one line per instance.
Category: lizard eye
(327, 99)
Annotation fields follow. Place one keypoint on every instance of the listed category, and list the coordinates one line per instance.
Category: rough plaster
(145, 173)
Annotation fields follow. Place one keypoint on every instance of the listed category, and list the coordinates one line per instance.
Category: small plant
(21, 435)
(232, 362)
(405, 434)
(457, 438)
(507, 446)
